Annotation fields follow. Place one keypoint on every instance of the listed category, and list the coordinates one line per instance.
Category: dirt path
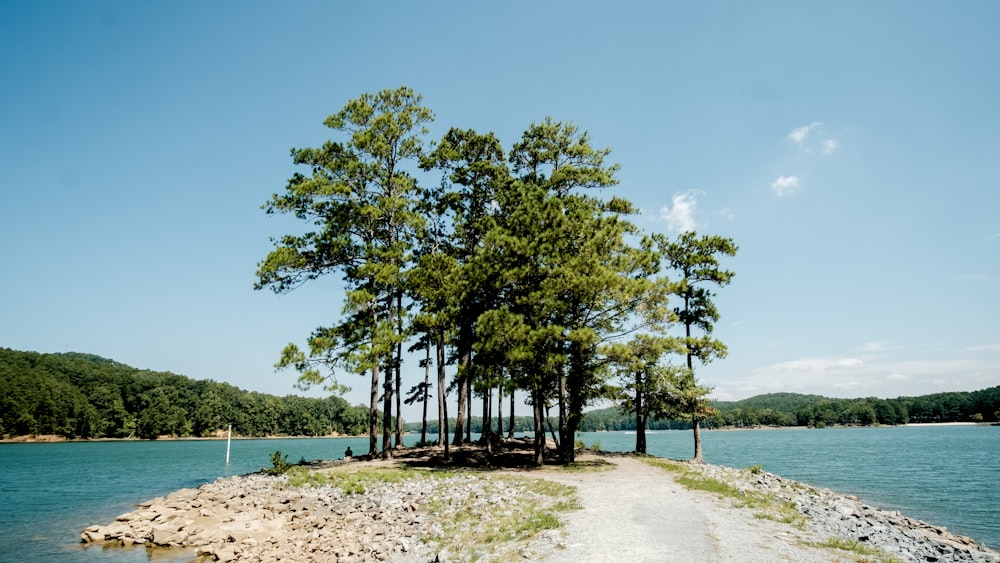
(636, 512)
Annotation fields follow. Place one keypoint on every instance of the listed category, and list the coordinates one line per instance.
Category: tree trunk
(538, 409)
(487, 425)
(696, 426)
(442, 399)
(468, 411)
(427, 386)
(387, 415)
(460, 415)
(399, 366)
(463, 396)
(487, 415)
(373, 415)
(500, 409)
(640, 417)
(566, 442)
(510, 425)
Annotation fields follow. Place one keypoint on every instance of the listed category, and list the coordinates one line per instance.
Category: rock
(256, 518)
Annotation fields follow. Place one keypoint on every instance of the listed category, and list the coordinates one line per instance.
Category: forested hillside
(86, 396)
(792, 409)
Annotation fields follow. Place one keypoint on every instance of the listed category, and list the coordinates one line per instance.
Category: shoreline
(54, 439)
(252, 516)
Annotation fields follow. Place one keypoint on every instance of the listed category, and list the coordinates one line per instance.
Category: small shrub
(596, 446)
(756, 469)
(279, 463)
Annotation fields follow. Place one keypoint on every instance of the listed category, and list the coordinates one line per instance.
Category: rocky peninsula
(606, 507)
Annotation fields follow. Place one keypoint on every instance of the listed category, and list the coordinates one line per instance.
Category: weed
(858, 548)
(280, 464)
(665, 465)
(589, 465)
(765, 506)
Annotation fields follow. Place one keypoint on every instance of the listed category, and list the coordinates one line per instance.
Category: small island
(477, 504)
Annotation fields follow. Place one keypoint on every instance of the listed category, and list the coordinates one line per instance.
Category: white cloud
(887, 369)
(726, 214)
(991, 237)
(680, 216)
(875, 346)
(814, 365)
(995, 347)
(798, 136)
(785, 185)
(811, 140)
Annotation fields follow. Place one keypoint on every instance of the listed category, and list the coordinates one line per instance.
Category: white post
(229, 440)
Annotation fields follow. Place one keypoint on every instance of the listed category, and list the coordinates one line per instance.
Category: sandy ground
(637, 512)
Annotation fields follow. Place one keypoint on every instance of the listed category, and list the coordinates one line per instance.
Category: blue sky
(850, 149)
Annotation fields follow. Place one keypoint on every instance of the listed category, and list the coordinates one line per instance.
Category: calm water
(50, 492)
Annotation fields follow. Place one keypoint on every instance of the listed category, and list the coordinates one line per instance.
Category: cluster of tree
(510, 267)
(976, 406)
(86, 396)
(791, 409)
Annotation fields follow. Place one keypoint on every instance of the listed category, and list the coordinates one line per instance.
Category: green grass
(589, 465)
(468, 531)
(765, 506)
(868, 554)
(355, 481)
(468, 525)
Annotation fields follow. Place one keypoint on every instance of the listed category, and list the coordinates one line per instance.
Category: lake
(945, 475)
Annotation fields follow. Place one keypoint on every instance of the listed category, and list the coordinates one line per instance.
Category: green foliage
(361, 206)
(84, 396)
(859, 548)
(279, 464)
(791, 409)
(765, 505)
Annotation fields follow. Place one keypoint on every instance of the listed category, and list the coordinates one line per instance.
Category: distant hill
(794, 409)
(778, 401)
(78, 395)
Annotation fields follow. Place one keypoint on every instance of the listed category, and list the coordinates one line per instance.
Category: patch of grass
(665, 465)
(477, 530)
(589, 465)
(488, 521)
(355, 481)
(766, 506)
(868, 554)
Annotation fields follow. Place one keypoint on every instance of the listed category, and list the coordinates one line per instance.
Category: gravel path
(636, 512)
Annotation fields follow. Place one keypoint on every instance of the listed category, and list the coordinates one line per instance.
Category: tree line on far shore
(815, 411)
(86, 396)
